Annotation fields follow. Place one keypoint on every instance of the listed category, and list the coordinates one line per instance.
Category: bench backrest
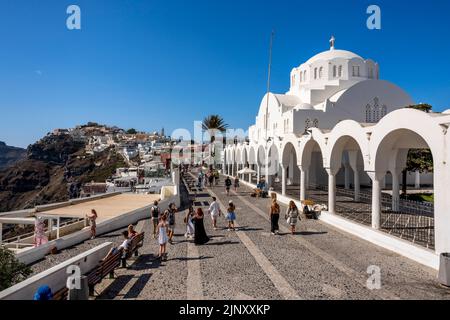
(105, 267)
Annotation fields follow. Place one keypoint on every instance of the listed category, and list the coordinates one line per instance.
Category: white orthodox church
(340, 126)
(330, 87)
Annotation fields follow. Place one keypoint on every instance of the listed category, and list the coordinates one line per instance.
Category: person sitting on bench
(131, 232)
(124, 246)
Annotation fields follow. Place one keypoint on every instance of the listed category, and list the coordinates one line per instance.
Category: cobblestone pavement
(318, 262)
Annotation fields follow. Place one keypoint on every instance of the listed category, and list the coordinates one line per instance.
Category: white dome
(333, 54)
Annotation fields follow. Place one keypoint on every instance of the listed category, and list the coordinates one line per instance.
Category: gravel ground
(319, 262)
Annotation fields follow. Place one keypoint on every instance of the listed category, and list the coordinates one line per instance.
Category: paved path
(319, 262)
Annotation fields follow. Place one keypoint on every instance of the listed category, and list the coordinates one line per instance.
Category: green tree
(131, 131)
(11, 270)
(418, 159)
(214, 124)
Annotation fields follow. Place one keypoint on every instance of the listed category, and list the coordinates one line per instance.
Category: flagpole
(268, 81)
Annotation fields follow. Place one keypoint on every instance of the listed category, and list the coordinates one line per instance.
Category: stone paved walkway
(319, 262)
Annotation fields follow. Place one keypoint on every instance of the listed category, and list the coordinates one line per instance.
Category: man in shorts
(155, 218)
(214, 211)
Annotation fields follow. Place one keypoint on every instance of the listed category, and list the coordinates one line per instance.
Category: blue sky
(148, 64)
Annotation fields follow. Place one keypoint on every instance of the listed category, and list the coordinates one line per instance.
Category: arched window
(340, 71)
(368, 114)
(301, 76)
(307, 124)
(304, 75)
(370, 73)
(320, 72)
(315, 73)
(334, 71)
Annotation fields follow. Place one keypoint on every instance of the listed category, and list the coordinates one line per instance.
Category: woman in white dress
(163, 238)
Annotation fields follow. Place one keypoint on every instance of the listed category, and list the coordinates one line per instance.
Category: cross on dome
(332, 41)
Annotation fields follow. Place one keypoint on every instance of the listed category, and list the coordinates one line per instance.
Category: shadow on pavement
(138, 286)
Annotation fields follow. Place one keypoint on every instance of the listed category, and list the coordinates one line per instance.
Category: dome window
(320, 72)
(334, 71)
(315, 73)
(340, 71)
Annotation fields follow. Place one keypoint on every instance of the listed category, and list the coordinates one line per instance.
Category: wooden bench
(61, 294)
(104, 268)
(136, 242)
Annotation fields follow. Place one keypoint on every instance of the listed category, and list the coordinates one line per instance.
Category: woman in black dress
(200, 233)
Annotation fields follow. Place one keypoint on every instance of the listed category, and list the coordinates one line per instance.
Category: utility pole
(268, 82)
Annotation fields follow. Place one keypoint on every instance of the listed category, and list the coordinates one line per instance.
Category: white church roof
(333, 54)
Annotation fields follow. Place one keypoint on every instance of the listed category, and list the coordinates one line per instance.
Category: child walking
(231, 215)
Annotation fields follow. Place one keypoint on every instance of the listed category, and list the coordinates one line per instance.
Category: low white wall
(29, 256)
(405, 248)
(56, 276)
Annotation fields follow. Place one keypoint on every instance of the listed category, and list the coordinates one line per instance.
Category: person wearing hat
(43, 293)
(231, 215)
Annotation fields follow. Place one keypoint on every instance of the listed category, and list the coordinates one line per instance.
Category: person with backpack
(228, 184)
(171, 221)
(155, 218)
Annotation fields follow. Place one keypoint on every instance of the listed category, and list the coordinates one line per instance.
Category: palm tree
(213, 124)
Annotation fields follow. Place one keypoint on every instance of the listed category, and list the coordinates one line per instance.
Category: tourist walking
(236, 184)
(92, 219)
(274, 216)
(155, 218)
(214, 211)
(231, 215)
(211, 179)
(171, 221)
(228, 184)
(162, 237)
(200, 233)
(292, 216)
(216, 177)
(189, 223)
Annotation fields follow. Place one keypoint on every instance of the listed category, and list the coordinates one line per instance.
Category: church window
(334, 71)
(368, 113)
(320, 72)
(301, 76)
(307, 124)
(315, 73)
(304, 75)
(340, 71)
(356, 71)
(370, 73)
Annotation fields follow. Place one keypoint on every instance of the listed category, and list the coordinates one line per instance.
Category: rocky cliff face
(10, 155)
(52, 167)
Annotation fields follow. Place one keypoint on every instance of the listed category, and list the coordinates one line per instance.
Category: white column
(376, 199)
(291, 169)
(302, 183)
(353, 162)
(58, 224)
(346, 176)
(331, 190)
(283, 180)
(417, 179)
(356, 183)
(395, 190)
